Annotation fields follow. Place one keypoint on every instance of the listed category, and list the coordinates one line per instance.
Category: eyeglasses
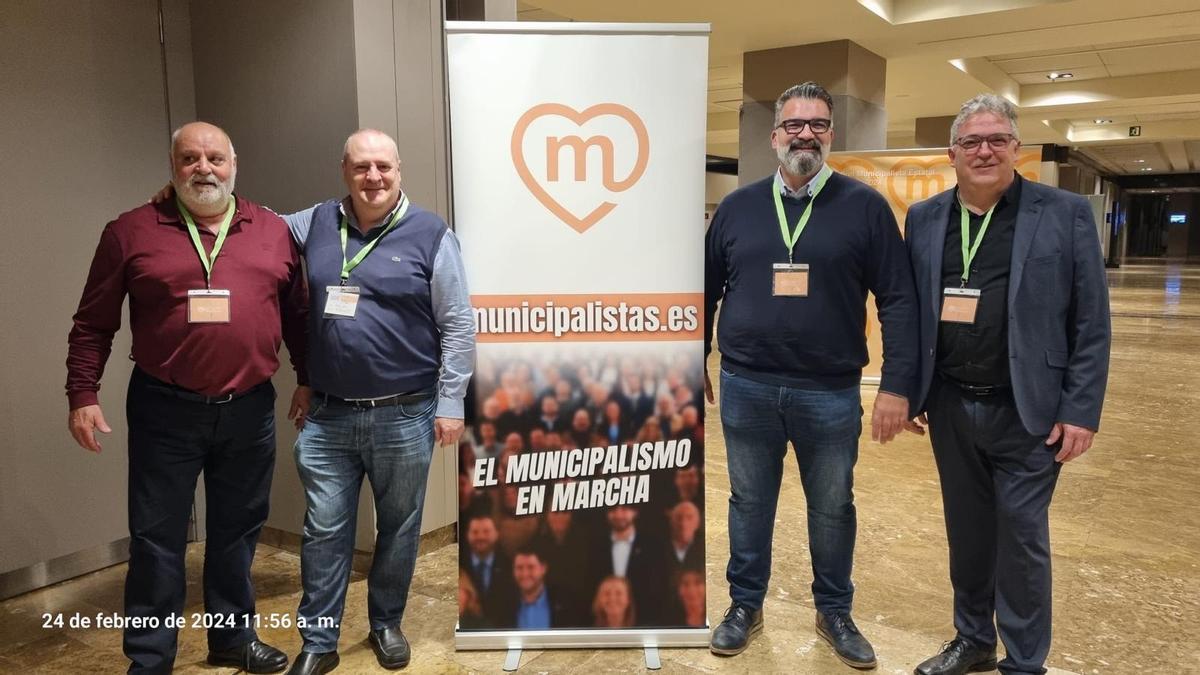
(995, 142)
(793, 127)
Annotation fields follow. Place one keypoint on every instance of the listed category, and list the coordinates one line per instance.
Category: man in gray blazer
(1015, 340)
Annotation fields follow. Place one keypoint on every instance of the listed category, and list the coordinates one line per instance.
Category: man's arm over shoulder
(96, 320)
(293, 310)
(1089, 329)
(456, 321)
(299, 223)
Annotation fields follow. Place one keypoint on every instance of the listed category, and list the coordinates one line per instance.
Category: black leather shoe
(252, 657)
(309, 663)
(849, 644)
(391, 649)
(733, 635)
(959, 656)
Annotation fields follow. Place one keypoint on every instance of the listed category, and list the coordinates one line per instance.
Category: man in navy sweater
(790, 259)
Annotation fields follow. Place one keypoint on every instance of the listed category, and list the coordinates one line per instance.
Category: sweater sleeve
(890, 278)
(715, 274)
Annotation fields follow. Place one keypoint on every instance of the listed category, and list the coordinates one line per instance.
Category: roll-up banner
(578, 173)
(906, 177)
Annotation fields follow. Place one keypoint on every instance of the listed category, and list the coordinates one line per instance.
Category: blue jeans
(340, 444)
(823, 426)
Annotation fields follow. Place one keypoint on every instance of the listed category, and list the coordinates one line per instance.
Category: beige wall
(289, 86)
(281, 82)
(717, 185)
(90, 99)
(84, 137)
(400, 75)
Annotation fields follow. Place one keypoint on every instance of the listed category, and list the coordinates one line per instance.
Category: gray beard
(198, 197)
(801, 163)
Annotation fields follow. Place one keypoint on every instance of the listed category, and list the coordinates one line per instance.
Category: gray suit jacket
(1058, 317)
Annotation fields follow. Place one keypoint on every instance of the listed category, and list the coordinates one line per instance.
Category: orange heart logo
(580, 147)
(921, 179)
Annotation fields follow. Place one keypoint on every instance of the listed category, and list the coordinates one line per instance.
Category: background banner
(906, 177)
(578, 200)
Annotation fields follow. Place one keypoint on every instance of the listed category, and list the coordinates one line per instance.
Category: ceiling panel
(1193, 151)
(1092, 39)
(1077, 74)
(1090, 122)
(1045, 64)
(1152, 58)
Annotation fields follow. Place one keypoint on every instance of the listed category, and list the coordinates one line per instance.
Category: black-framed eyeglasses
(995, 142)
(792, 127)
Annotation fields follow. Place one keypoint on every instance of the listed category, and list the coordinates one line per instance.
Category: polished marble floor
(1125, 528)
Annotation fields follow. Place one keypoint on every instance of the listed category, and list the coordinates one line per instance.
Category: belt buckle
(218, 401)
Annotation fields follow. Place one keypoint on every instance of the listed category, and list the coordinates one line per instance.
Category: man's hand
(301, 404)
(84, 422)
(1075, 440)
(447, 430)
(708, 392)
(888, 416)
(163, 195)
(917, 426)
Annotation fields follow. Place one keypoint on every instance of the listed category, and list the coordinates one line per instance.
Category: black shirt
(978, 353)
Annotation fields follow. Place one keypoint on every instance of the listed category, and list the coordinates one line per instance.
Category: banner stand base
(512, 660)
(652, 660)
(579, 638)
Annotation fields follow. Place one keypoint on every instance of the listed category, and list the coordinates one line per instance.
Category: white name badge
(959, 305)
(208, 305)
(789, 280)
(341, 302)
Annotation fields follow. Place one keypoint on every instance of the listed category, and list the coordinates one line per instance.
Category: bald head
(371, 169)
(192, 129)
(370, 138)
(203, 168)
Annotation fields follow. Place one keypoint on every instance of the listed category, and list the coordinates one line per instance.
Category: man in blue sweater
(790, 258)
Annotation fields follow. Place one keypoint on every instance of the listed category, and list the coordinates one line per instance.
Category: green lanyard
(969, 250)
(790, 239)
(349, 265)
(208, 259)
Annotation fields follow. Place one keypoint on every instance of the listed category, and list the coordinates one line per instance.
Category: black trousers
(171, 441)
(997, 482)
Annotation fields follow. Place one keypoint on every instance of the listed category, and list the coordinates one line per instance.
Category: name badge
(959, 305)
(208, 305)
(341, 302)
(788, 280)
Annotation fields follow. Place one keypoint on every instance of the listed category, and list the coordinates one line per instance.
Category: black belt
(980, 390)
(195, 397)
(398, 399)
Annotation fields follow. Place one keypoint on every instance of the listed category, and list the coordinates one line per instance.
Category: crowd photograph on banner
(619, 566)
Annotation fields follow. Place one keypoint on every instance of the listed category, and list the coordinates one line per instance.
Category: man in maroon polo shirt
(214, 282)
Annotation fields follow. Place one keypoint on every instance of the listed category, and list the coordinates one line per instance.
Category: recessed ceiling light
(1059, 76)
(1147, 168)
(1103, 121)
(1140, 161)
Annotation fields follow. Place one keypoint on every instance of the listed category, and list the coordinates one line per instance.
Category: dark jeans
(997, 482)
(823, 426)
(171, 441)
(392, 446)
